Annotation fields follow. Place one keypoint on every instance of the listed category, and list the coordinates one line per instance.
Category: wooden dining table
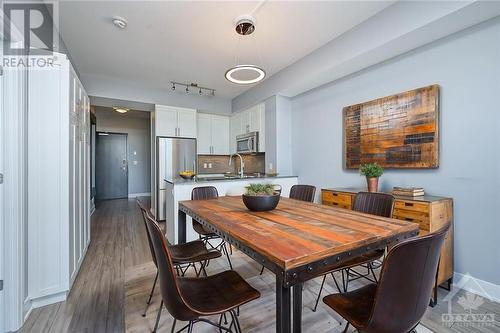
(297, 241)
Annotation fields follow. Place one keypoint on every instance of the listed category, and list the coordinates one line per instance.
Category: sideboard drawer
(412, 206)
(336, 199)
(423, 221)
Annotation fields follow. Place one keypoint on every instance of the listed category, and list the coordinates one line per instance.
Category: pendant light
(245, 73)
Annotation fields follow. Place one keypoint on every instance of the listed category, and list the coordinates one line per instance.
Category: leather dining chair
(183, 255)
(303, 192)
(205, 193)
(191, 299)
(373, 203)
(399, 301)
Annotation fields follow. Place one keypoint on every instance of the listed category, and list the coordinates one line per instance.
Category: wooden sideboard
(431, 213)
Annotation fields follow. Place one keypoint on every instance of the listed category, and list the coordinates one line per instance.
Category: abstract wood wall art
(398, 131)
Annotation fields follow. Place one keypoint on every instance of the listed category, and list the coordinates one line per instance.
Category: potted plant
(372, 171)
(261, 197)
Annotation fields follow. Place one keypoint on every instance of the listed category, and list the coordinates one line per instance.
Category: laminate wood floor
(110, 291)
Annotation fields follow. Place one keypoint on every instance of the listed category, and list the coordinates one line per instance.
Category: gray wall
(136, 124)
(467, 67)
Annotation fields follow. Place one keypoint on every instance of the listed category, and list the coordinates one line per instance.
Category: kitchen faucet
(242, 165)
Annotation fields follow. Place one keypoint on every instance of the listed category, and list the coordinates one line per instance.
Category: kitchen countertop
(199, 180)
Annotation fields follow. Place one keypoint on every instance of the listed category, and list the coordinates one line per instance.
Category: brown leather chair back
(204, 192)
(145, 213)
(406, 283)
(374, 203)
(303, 192)
(170, 292)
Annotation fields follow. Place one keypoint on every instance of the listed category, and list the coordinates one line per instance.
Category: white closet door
(220, 135)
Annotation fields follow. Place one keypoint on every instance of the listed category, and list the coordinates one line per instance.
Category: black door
(111, 166)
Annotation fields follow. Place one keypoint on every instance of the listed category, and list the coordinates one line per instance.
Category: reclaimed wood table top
(298, 233)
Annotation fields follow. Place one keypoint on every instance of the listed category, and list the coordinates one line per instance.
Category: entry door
(111, 166)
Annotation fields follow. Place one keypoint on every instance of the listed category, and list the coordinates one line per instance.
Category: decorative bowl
(261, 203)
(187, 175)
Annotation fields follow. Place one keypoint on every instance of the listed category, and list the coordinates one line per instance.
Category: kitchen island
(180, 189)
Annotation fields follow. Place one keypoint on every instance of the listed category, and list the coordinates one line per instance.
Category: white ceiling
(195, 41)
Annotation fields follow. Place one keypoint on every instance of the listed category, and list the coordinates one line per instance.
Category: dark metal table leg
(181, 223)
(282, 307)
(297, 308)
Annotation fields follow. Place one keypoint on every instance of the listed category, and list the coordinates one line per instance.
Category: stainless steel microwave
(247, 143)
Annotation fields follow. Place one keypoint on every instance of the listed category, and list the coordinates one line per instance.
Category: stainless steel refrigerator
(173, 156)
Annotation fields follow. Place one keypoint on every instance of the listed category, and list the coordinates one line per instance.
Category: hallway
(95, 303)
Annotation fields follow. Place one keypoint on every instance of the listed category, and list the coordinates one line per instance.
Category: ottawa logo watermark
(29, 40)
(465, 308)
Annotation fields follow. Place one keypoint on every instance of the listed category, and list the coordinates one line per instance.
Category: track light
(201, 90)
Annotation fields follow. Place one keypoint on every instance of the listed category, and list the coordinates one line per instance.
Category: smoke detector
(245, 24)
(119, 22)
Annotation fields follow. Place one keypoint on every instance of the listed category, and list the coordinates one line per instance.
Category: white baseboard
(46, 300)
(477, 286)
(135, 195)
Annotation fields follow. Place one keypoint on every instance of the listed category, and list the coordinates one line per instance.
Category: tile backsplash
(220, 164)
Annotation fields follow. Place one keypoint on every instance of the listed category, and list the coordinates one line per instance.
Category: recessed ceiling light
(120, 109)
(252, 74)
(120, 22)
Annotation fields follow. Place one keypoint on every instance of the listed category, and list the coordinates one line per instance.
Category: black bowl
(261, 203)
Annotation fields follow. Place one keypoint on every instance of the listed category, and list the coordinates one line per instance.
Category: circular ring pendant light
(247, 69)
(245, 74)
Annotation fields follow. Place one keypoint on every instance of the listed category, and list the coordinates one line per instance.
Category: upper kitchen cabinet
(250, 120)
(213, 134)
(175, 121)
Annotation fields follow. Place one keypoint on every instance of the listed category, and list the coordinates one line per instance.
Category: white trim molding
(135, 195)
(477, 286)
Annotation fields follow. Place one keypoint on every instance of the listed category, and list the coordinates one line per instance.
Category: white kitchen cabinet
(250, 120)
(175, 122)
(59, 178)
(165, 121)
(186, 123)
(213, 134)
(204, 138)
(220, 135)
(235, 130)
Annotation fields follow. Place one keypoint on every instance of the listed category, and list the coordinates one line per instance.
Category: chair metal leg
(319, 294)
(237, 323)
(346, 327)
(150, 295)
(224, 249)
(370, 267)
(336, 283)
(345, 281)
(173, 326)
(158, 317)
(190, 328)
(203, 265)
(262, 270)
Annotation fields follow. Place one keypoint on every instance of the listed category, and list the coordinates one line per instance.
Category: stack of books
(408, 191)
